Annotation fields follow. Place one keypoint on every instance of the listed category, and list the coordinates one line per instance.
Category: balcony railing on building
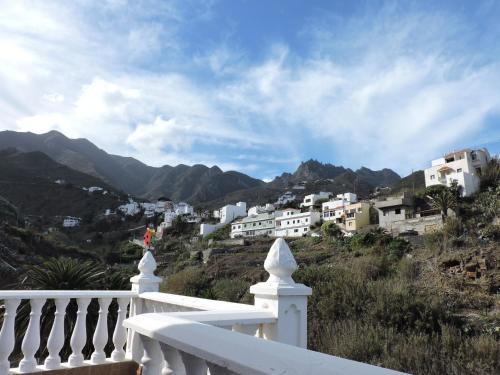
(173, 334)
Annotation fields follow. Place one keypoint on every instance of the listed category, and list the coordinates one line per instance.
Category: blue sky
(256, 86)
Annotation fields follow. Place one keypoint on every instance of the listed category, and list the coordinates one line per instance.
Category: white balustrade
(228, 352)
(31, 340)
(194, 365)
(56, 337)
(79, 336)
(7, 334)
(120, 333)
(172, 334)
(152, 360)
(101, 332)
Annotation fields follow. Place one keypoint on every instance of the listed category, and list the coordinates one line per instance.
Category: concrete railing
(55, 341)
(174, 334)
(182, 345)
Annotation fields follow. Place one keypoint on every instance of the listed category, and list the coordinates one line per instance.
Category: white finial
(147, 264)
(280, 263)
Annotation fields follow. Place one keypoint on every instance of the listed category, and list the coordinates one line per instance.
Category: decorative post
(146, 281)
(287, 299)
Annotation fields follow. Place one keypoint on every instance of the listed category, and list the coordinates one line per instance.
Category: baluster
(100, 338)
(194, 365)
(173, 361)
(7, 334)
(218, 370)
(247, 329)
(152, 359)
(79, 336)
(120, 334)
(31, 340)
(56, 337)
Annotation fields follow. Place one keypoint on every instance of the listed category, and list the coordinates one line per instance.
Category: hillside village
(401, 214)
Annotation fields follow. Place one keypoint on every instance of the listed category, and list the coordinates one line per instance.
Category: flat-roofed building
(293, 223)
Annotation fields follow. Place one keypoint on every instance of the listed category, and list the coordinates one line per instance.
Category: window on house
(478, 170)
(397, 211)
(305, 229)
(253, 224)
(260, 223)
(459, 170)
(295, 230)
(473, 155)
(360, 209)
(307, 219)
(350, 223)
(288, 222)
(432, 177)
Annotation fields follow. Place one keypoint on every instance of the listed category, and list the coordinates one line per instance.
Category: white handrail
(195, 303)
(52, 294)
(239, 353)
(225, 318)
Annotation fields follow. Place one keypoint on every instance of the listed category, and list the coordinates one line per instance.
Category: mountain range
(197, 184)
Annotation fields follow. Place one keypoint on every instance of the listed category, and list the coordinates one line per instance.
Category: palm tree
(66, 274)
(442, 200)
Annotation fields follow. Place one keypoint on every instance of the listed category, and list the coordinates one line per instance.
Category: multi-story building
(231, 212)
(293, 223)
(399, 214)
(355, 216)
(255, 210)
(334, 209)
(71, 221)
(287, 197)
(255, 225)
(183, 208)
(394, 209)
(462, 167)
(311, 199)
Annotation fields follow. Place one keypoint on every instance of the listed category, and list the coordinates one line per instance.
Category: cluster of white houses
(396, 214)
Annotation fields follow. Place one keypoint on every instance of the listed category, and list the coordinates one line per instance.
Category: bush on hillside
(220, 234)
(331, 230)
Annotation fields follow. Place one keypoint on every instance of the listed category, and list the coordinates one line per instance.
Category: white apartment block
(311, 199)
(255, 210)
(71, 221)
(182, 208)
(463, 167)
(293, 223)
(255, 225)
(287, 197)
(130, 209)
(335, 208)
(231, 212)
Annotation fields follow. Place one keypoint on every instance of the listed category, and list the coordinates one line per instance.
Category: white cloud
(382, 90)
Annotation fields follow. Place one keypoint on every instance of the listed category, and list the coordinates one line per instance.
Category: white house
(463, 166)
(95, 188)
(293, 223)
(230, 212)
(71, 221)
(311, 199)
(130, 209)
(206, 229)
(254, 225)
(334, 208)
(287, 197)
(182, 208)
(255, 210)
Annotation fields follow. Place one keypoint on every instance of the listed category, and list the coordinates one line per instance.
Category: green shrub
(190, 282)
(220, 234)
(331, 230)
(230, 290)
